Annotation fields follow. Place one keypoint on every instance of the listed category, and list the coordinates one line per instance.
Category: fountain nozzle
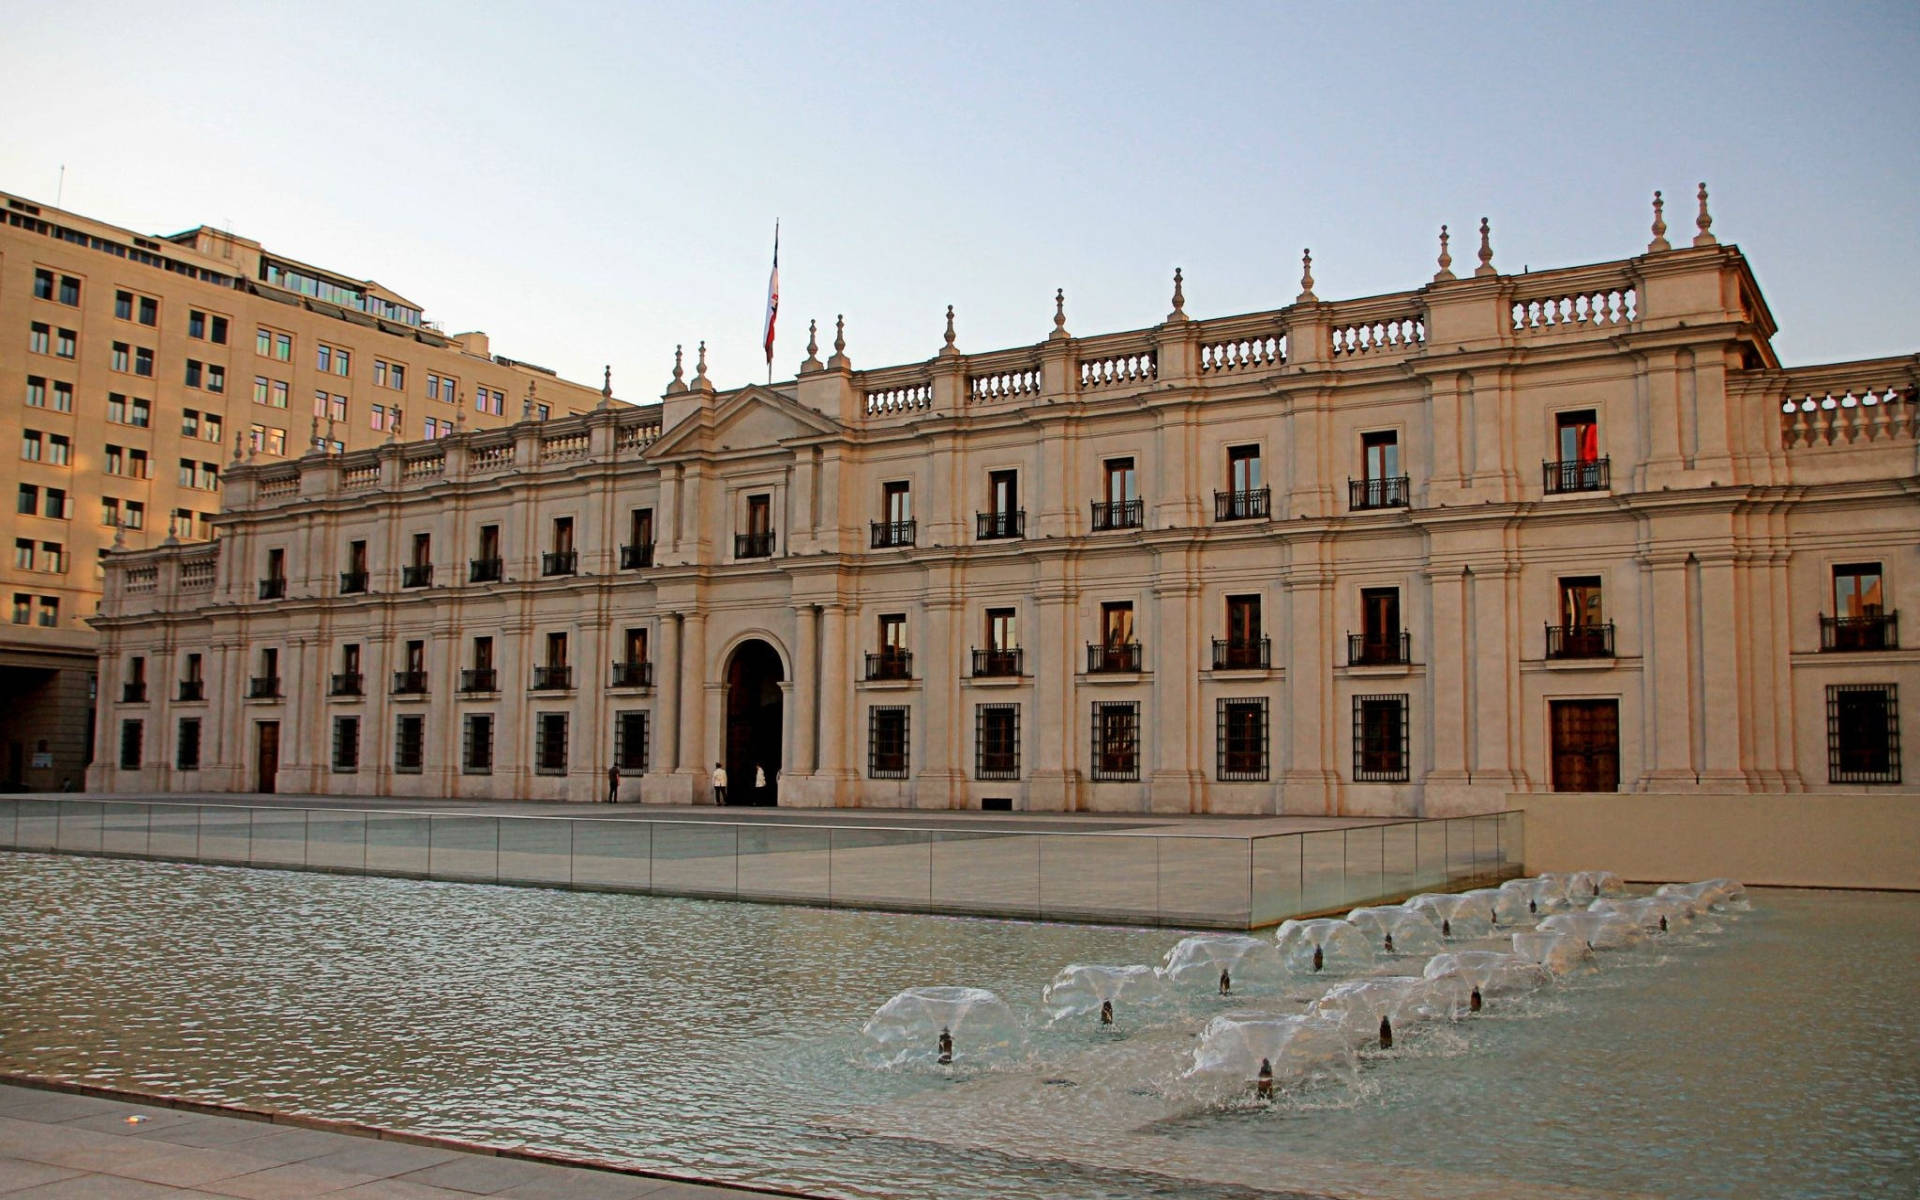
(1446, 927)
(1663, 922)
(1263, 1083)
(1386, 1032)
(1226, 982)
(1389, 941)
(1106, 1012)
(946, 1046)
(1319, 958)
(1473, 1001)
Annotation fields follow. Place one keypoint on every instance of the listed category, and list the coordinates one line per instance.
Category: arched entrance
(752, 722)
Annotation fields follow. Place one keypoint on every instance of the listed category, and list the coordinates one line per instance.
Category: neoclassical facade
(1566, 530)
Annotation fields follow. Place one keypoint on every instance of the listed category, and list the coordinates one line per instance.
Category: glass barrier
(124, 829)
(336, 841)
(987, 874)
(226, 835)
(615, 855)
(1205, 881)
(696, 858)
(881, 868)
(397, 845)
(278, 837)
(536, 850)
(466, 849)
(785, 862)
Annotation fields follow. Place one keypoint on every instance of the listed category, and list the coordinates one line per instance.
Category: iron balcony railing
(552, 679)
(1379, 649)
(1383, 491)
(996, 662)
(1580, 641)
(890, 664)
(409, 683)
(263, 687)
(1576, 475)
(193, 689)
(887, 534)
(1119, 656)
(133, 693)
(753, 545)
(416, 575)
(1117, 514)
(1243, 506)
(483, 570)
(992, 526)
(631, 674)
(479, 679)
(346, 683)
(1241, 654)
(1872, 631)
(273, 589)
(352, 582)
(632, 558)
(559, 562)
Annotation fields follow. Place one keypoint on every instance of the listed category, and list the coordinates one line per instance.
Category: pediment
(752, 418)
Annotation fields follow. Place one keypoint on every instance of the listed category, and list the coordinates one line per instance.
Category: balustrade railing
(1243, 506)
(1116, 657)
(1379, 649)
(1117, 514)
(1241, 654)
(987, 663)
(903, 398)
(631, 674)
(273, 589)
(352, 582)
(409, 683)
(428, 467)
(280, 483)
(479, 679)
(633, 558)
(563, 447)
(1378, 492)
(891, 663)
(1870, 631)
(1585, 308)
(1580, 641)
(346, 683)
(416, 575)
(1860, 414)
(890, 534)
(484, 570)
(1358, 338)
(360, 478)
(552, 679)
(263, 687)
(753, 545)
(143, 579)
(1243, 354)
(1576, 475)
(192, 690)
(992, 526)
(198, 572)
(559, 562)
(1128, 368)
(998, 387)
(484, 458)
(133, 692)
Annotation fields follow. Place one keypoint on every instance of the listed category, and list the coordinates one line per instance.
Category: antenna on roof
(61, 190)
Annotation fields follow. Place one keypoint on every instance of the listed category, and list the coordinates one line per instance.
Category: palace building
(1571, 529)
(128, 366)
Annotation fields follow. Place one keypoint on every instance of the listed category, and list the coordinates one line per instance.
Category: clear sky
(592, 183)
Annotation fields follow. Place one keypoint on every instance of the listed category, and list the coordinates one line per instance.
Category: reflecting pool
(1770, 1053)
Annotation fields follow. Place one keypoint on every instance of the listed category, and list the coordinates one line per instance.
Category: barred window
(1380, 739)
(132, 733)
(550, 744)
(1241, 740)
(409, 737)
(630, 742)
(476, 744)
(887, 743)
(186, 755)
(346, 745)
(1863, 733)
(1116, 739)
(996, 741)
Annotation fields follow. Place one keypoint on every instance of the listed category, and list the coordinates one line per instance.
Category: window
(212, 329)
(638, 552)
(186, 751)
(31, 444)
(186, 472)
(1247, 494)
(377, 416)
(1381, 484)
(887, 742)
(22, 608)
(442, 388)
(1116, 650)
(123, 306)
(391, 375)
(346, 745)
(1116, 740)
(631, 670)
(630, 742)
(263, 342)
(896, 527)
(66, 345)
(132, 732)
(116, 408)
(192, 680)
(39, 337)
(53, 557)
(280, 390)
(69, 290)
(49, 617)
(56, 505)
(898, 503)
(1002, 629)
(193, 373)
(42, 284)
(324, 359)
(210, 426)
(1119, 506)
(267, 439)
(1241, 740)
(1244, 647)
(556, 649)
(419, 569)
(216, 379)
(1863, 733)
(217, 331)
(29, 501)
(1860, 620)
(196, 324)
(143, 362)
(122, 357)
(283, 347)
(757, 541)
(149, 311)
(550, 744)
(137, 467)
(36, 391)
(433, 427)
(409, 743)
(1583, 631)
(180, 524)
(476, 744)
(23, 553)
(1004, 517)
(136, 517)
(1381, 640)
(1380, 739)
(996, 741)
(542, 411)
(485, 567)
(490, 401)
(1581, 468)
(379, 373)
(62, 396)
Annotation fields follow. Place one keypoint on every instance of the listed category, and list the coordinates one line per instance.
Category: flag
(773, 297)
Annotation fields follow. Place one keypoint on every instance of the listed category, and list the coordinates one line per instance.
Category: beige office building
(132, 369)
(1571, 529)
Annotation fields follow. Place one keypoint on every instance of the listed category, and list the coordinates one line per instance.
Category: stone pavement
(58, 1145)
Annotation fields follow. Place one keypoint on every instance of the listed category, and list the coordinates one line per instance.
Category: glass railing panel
(123, 829)
(1513, 843)
(1323, 871)
(539, 849)
(37, 825)
(278, 837)
(9, 822)
(336, 841)
(173, 831)
(785, 862)
(1364, 851)
(1399, 861)
(1091, 877)
(226, 835)
(882, 868)
(1459, 850)
(1486, 845)
(79, 826)
(396, 844)
(695, 858)
(993, 874)
(1276, 878)
(1205, 882)
(616, 855)
(464, 848)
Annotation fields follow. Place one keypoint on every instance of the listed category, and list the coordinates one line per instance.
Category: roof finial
(839, 361)
(526, 403)
(606, 386)
(1659, 241)
(1446, 260)
(238, 437)
(1306, 295)
(1179, 312)
(700, 380)
(1704, 221)
(1486, 250)
(393, 428)
(678, 383)
(119, 535)
(813, 347)
(459, 421)
(1059, 316)
(949, 349)
(328, 444)
(313, 436)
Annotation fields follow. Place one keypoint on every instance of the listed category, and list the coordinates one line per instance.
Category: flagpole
(773, 299)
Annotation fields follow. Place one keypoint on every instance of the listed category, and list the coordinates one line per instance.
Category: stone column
(939, 783)
(1049, 660)
(1176, 785)
(802, 747)
(1724, 684)
(837, 710)
(1306, 648)
(693, 708)
(1449, 648)
(1666, 614)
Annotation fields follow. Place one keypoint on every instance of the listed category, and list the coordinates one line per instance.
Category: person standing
(613, 784)
(759, 784)
(719, 784)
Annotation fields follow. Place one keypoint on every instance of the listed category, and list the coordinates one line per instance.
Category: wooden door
(267, 760)
(1586, 745)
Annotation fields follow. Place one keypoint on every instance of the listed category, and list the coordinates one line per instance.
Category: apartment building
(1573, 529)
(134, 372)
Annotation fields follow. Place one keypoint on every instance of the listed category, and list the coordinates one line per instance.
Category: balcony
(409, 683)
(133, 693)
(1379, 649)
(263, 687)
(347, 683)
(892, 663)
(631, 675)
(1383, 491)
(192, 689)
(997, 526)
(890, 534)
(1874, 631)
(479, 679)
(990, 663)
(352, 582)
(552, 679)
(483, 570)
(416, 575)
(1117, 514)
(1118, 657)
(273, 589)
(559, 562)
(753, 545)
(1241, 654)
(1576, 475)
(633, 558)
(1580, 641)
(1256, 505)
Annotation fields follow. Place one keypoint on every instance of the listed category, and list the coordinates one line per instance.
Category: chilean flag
(773, 297)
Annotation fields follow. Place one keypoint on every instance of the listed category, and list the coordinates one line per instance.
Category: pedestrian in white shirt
(719, 784)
